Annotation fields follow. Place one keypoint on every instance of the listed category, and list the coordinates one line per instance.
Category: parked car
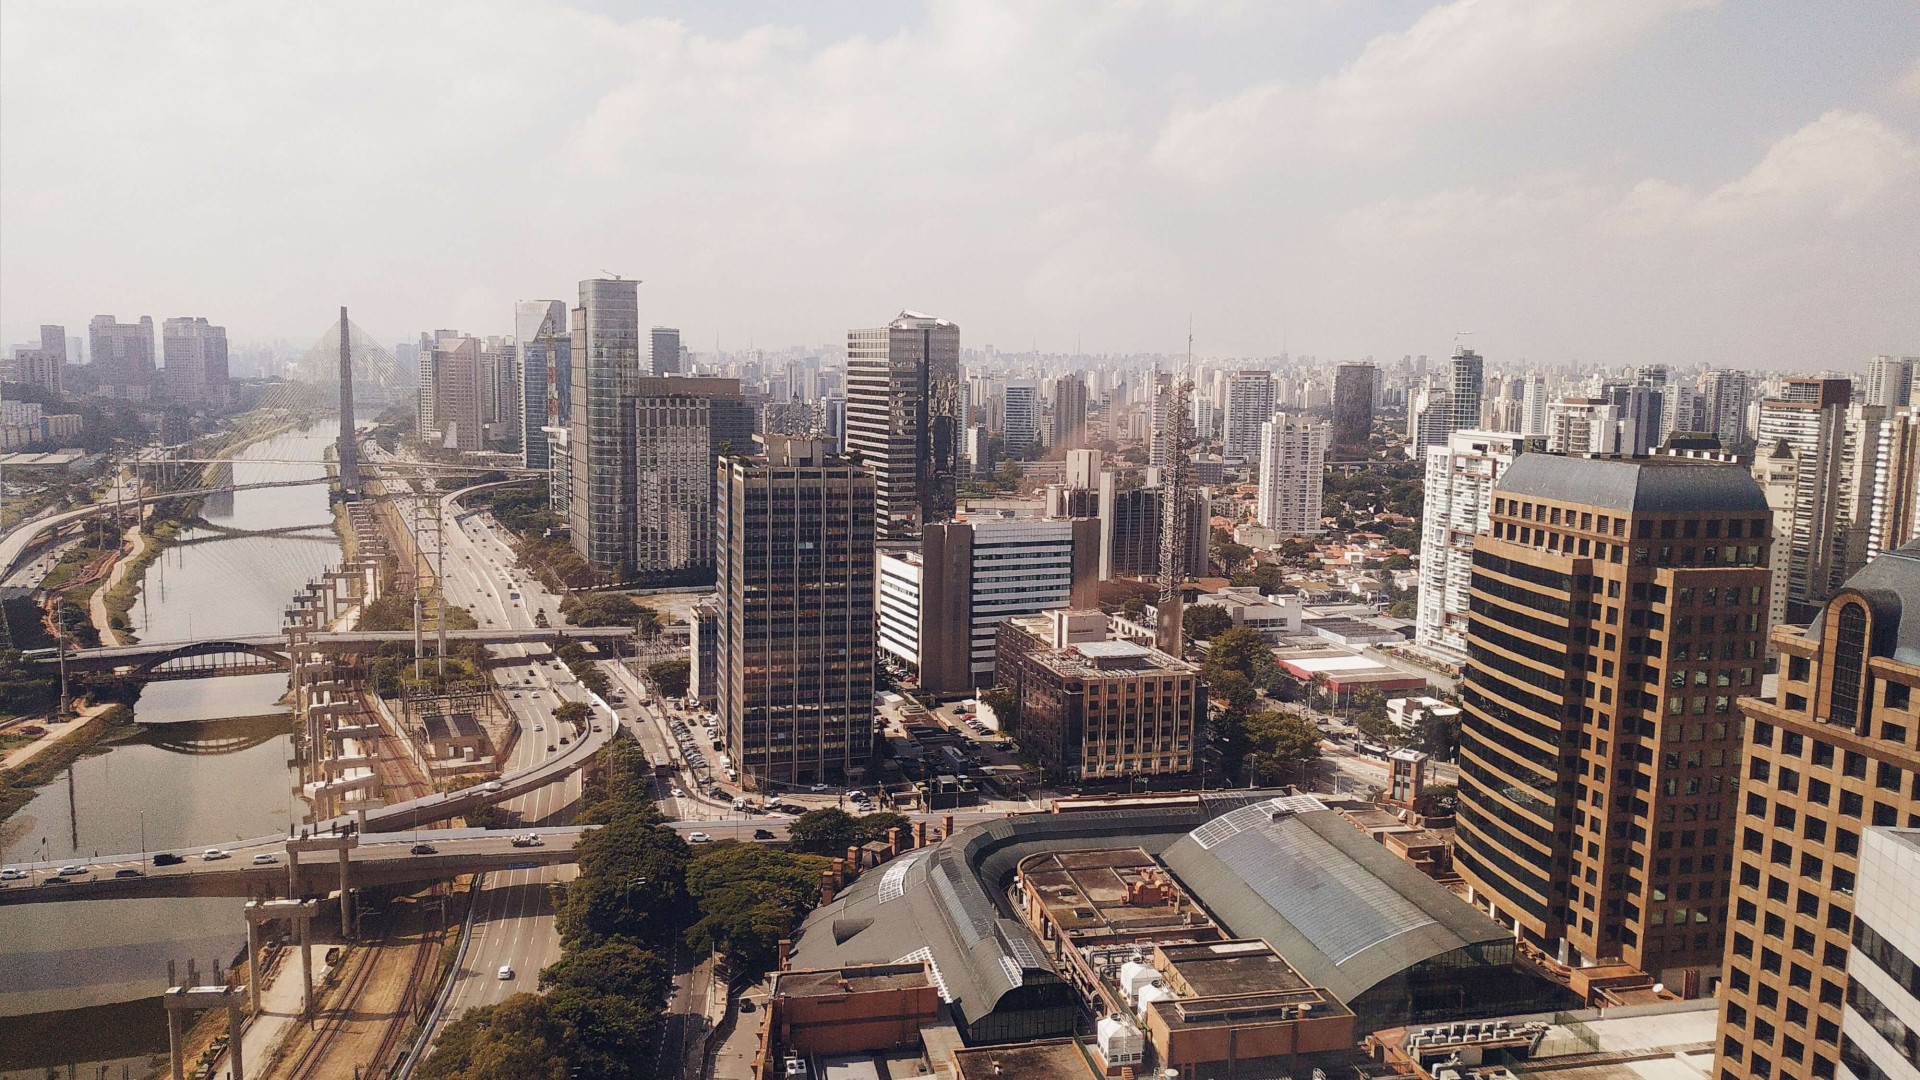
(167, 859)
(128, 871)
(213, 853)
(424, 849)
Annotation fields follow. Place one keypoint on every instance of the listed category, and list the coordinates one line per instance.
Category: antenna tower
(1176, 476)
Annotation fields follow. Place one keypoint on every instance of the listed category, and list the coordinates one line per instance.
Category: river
(188, 783)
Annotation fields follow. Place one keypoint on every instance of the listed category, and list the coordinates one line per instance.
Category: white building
(1023, 415)
(1883, 1012)
(1249, 406)
(898, 605)
(1579, 425)
(1533, 406)
(1273, 616)
(1293, 450)
(1459, 494)
(1407, 713)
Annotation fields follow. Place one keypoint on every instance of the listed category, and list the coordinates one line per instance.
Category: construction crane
(1176, 476)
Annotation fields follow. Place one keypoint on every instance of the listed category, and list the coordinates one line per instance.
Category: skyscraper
(1829, 754)
(1352, 411)
(1617, 608)
(605, 354)
(1069, 412)
(903, 417)
(500, 391)
(1459, 499)
(1250, 404)
(1810, 417)
(456, 393)
(1023, 415)
(796, 638)
(546, 372)
(674, 463)
(1724, 408)
(1533, 406)
(122, 357)
(664, 350)
(45, 366)
(1889, 381)
(1468, 388)
(196, 361)
(1292, 460)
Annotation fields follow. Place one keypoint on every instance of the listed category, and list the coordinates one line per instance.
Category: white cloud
(1906, 89)
(1838, 164)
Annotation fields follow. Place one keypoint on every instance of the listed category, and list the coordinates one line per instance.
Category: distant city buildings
(1460, 478)
(1353, 386)
(122, 357)
(664, 350)
(1022, 415)
(44, 366)
(1250, 404)
(1069, 420)
(195, 354)
(795, 660)
(546, 374)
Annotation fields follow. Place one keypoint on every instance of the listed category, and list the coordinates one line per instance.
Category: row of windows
(1475, 848)
(1487, 609)
(1552, 605)
(1484, 658)
(1553, 658)
(1552, 579)
(1502, 714)
(1543, 782)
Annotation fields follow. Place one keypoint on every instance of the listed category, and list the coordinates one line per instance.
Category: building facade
(605, 353)
(1105, 710)
(1617, 609)
(904, 417)
(1459, 501)
(1467, 389)
(1022, 415)
(45, 366)
(1829, 755)
(195, 353)
(1293, 453)
(663, 350)
(796, 635)
(1130, 526)
(122, 357)
(1250, 404)
(1352, 410)
(1069, 421)
(1810, 418)
(674, 457)
(546, 373)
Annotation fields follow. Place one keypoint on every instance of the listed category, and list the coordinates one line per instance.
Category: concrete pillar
(175, 1052)
(346, 895)
(946, 827)
(253, 966)
(919, 835)
(306, 966)
(233, 1040)
(893, 843)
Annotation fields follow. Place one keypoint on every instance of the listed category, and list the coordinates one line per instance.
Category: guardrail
(425, 1041)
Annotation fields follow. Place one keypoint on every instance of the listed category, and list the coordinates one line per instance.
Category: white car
(264, 859)
(70, 870)
(10, 874)
(491, 786)
(699, 838)
(506, 972)
(213, 853)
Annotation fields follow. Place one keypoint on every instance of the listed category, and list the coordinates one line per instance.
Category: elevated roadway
(344, 641)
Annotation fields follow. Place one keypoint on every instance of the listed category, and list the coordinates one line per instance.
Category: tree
(514, 1040)
(670, 677)
(1237, 649)
(1438, 735)
(1399, 562)
(1200, 622)
(573, 712)
(607, 609)
(1228, 554)
(1230, 687)
(827, 831)
(615, 967)
(878, 827)
(1280, 741)
(1437, 800)
(1005, 706)
(749, 897)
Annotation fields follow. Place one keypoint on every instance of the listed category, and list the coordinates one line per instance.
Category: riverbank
(39, 763)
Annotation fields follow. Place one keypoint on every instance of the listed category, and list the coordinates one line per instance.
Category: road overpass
(219, 653)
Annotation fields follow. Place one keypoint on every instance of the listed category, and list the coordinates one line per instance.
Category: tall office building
(664, 350)
(1810, 418)
(605, 353)
(1723, 408)
(1429, 420)
(675, 454)
(1829, 754)
(1467, 389)
(1130, 526)
(1892, 519)
(1617, 608)
(1533, 406)
(1293, 452)
(45, 366)
(500, 391)
(456, 393)
(122, 357)
(1585, 425)
(195, 353)
(546, 373)
(903, 417)
(1023, 415)
(1639, 406)
(1889, 381)
(1352, 411)
(796, 635)
(1250, 404)
(1459, 499)
(978, 452)
(1069, 412)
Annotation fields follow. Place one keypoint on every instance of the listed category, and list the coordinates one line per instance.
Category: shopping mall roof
(1344, 911)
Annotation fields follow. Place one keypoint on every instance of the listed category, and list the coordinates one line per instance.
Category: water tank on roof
(1149, 994)
(1120, 1042)
(1133, 976)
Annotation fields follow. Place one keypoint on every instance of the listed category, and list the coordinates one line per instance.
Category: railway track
(306, 1066)
(313, 1061)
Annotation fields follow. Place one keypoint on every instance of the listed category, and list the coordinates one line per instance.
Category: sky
(1631, 181)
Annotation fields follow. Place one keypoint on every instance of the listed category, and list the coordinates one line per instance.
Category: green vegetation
(543, 548)
(831, 831)
(575, 713)
(1202, 622)
(750, 897)
(671, 677)
(1006, 708)
(580, 662)
(25, 688)
(17, 786)
(609, 609)
(1437, 800)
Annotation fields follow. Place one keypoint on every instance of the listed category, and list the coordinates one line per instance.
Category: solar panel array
(893, 882)
(1333, 901)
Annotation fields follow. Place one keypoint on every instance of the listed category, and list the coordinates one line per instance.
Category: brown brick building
(1831, 753)
(1618, 607)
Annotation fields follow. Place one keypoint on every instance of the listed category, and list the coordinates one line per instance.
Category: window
(1849, 665)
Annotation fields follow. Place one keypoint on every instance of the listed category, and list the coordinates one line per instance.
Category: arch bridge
(202, 659)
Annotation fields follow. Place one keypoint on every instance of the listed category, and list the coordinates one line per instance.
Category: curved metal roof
(1643, 485)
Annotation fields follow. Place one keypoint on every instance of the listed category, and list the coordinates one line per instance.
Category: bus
(662, 765)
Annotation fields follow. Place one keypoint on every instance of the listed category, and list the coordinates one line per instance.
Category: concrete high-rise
(1829, 755)
(1069, 412)
(456, 393)
(1467, 388)
(675, 454)
(1352, 411)
(195, 353)
(796, 594)
(546, 373)
(1617, 608)
(45, 366)
(1810, 418)
(1250, 404)
(904, 417)
(605, 353)
(500, 391)
(122, 357)
(1889, 381)
(1023, 415)
(664, 350)
(1459, 501)
(1293, 453)
(1723, 408)
(1533, 406)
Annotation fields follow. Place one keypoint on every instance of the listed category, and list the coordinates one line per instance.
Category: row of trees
(641, 889)
(1255, 743)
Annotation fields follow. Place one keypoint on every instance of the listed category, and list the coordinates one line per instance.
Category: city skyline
(1639, 181)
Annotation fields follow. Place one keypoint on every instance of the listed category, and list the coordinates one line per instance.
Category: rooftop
(1223, 968)
(1891, 583)
(1055, 1059)
(1639, 485)
(1107, 891)
(853, 979)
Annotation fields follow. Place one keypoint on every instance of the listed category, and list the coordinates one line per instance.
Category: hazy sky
(1603, 180)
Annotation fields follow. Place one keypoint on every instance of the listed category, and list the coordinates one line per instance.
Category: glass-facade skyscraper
(904, 417)
(606, 361)
(546, 374)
